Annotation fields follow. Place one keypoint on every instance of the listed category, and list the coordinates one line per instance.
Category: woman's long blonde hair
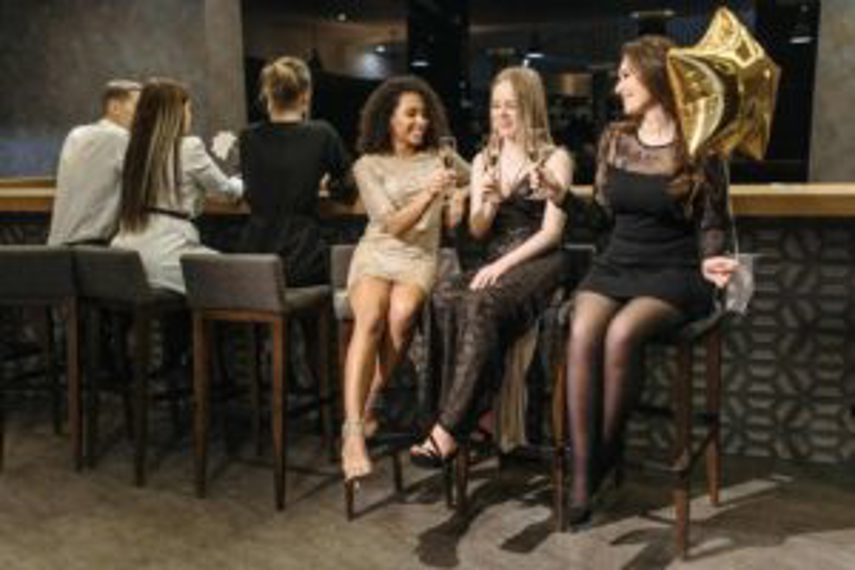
(531, 100)
(153, 158)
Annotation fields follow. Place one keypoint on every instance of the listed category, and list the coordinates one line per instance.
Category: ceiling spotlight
(380, 48)
(535, 48)
(663, 14)
(802, 33)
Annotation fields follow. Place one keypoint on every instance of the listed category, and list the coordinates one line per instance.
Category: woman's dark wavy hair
(647, 55)
(375, 136)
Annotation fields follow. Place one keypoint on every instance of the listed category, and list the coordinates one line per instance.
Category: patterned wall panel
(789, 380)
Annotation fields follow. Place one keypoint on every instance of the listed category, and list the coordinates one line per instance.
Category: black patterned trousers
(474, 329)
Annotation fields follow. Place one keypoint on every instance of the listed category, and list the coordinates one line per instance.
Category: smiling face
(409, 122)
(634, 95)
(504, 110)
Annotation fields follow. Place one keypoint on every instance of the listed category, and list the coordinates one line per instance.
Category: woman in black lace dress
(479, 313)
(663, 258)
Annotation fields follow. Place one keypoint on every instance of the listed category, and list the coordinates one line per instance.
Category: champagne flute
(447, 151)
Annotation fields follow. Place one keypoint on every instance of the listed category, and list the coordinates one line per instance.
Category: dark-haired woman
(663, 258)
(283, 163)
(165, 177)
(402, 181)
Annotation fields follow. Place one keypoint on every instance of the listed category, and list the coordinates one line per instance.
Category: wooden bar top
(35, 195)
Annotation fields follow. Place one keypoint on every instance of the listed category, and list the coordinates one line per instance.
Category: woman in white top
(165, 178)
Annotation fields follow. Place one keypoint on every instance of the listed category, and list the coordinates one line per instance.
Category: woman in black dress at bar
(658, 270)
(480, 313)
(283, 163)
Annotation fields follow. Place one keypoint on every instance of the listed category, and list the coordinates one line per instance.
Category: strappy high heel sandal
(431, 456)
(354, 475)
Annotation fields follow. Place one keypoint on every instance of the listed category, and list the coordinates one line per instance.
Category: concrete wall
(832, 139)
(55, 55)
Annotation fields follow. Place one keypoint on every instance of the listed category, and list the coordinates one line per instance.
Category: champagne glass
(447, 150)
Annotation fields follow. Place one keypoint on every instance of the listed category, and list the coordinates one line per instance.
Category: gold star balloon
(725, 88)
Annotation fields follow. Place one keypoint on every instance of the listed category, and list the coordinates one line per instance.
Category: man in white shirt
(89, 177)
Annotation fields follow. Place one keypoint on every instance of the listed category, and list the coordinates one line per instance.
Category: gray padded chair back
(110, 274)
(340, 256)
(251, 282)
(35, 273)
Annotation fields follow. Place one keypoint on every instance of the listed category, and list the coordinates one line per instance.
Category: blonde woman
(402, 181)
(481, 312)
(283, 161)
(166, 175)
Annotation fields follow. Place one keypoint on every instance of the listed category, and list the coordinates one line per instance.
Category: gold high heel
(352, 477)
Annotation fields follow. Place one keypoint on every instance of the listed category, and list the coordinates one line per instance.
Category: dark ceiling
(486, 12)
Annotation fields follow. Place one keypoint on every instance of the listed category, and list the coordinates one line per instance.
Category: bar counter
(35, 195)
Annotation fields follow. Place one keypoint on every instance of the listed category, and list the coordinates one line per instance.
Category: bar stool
(113, 279)
(704, 332)
(41, 277)
(250, 288)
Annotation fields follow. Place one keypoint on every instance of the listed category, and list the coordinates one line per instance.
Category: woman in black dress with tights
(663, 258)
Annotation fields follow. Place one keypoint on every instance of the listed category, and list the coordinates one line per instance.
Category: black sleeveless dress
(475, 328)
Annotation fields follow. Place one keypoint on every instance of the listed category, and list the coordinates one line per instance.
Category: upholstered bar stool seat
(252, 288)
(112, 279)
(41, 277)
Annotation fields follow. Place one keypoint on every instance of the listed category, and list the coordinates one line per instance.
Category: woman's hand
(490, 191)
(488, 275)
(455, 207)
(545, 184)
(718, 269)
(441, 181)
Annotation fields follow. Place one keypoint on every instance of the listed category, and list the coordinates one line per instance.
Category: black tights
(606, 341)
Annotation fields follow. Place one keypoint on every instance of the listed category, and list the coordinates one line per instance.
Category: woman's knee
(370, 316)
(402, 315)
(583, 338)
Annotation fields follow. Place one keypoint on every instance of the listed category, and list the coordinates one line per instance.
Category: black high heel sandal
(432, 457)
(578, 517)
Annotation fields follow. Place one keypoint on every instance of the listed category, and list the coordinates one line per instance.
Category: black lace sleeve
(595, 213)
(714, 219)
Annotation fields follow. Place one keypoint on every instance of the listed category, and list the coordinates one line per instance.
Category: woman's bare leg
(369, 299)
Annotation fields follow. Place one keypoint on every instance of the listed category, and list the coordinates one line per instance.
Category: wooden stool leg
(2, 418)
(559, 423)
(279, 385)
(682, 451)
(398, 472)
(93, 334)
(201, 398)
(344, 332)
(318, 345)
(49, 351)
(255, 387)
(324, 385)
(461, 482)
(713, 389)
(74, 390)
(142, 346)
